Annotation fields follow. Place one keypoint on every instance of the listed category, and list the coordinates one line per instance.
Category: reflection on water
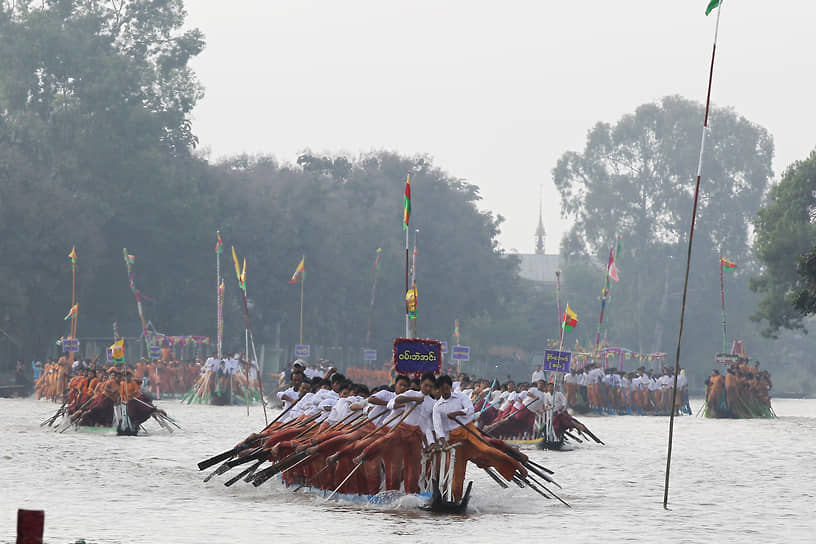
(745, 480)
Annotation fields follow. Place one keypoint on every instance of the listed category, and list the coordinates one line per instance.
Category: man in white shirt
(451, 413)
(538, 374)
(289, 396)
(401, 449)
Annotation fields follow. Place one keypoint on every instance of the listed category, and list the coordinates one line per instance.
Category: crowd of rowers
(236, 374)
(743, 392)
(92, 396)
(157, 377)
(611, 391)
(334, 434)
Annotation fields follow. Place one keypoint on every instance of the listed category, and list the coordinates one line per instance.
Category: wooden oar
(531, 480)
(406, 414)
(267, 473)
(257, 454)
(530, 465)
(214, 460)
(508, 416)
(53, 418)
(251, 470)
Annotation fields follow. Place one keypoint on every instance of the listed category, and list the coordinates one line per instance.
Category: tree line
(97, 150)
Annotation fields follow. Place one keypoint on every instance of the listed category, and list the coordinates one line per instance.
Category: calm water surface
(732, 481)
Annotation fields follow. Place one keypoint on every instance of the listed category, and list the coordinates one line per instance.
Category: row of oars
(250, 451)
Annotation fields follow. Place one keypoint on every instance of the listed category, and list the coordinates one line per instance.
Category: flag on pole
(72, 312)
(712, 5)
(406, 216)
(241, 277)
(569, 320)
(613, 269)
(411, 299)
(726, 264)
(456, 329)
(219, 248)
(377, 260)
(73, 255)
(131, 259)
(299, 271)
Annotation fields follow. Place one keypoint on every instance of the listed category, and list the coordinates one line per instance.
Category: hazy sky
(495, 92)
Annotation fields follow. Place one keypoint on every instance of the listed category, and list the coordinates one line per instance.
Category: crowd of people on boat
(157, 377)
(222, 379)
(742, 392)
(387, 435)
(106, 397)
(611, 391)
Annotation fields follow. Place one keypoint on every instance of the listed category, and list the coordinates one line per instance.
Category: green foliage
(636, 179)
(804, 300)
(784, 230)
(94, 151)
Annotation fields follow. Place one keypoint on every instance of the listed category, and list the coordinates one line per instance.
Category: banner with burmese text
(415, 356)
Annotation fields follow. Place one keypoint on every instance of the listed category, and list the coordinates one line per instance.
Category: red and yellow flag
(72, 312)
(726, 264)
(569, 320)
(299, 271)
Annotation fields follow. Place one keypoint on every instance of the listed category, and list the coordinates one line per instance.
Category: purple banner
(556, 361)
(414, 356)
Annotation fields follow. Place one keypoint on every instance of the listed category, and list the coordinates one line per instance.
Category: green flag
(712, 4)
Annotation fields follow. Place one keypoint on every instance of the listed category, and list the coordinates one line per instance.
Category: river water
(732, 481)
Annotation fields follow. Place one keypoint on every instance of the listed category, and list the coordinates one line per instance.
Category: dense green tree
(805, 298)
(784, 230)
(94, 151)
(636, 179)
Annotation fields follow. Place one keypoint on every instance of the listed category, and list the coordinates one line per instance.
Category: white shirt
(456, 402)
(508, 398)
(682, 381)
(287, 397)
(312, 373)
(377, 410)
(539, 375)
(570, 378)
(559, 401)
(341, 409)
(540, 399)
(421, 416)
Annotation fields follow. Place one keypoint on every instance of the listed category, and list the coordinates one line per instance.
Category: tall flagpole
(604, 298)
(407, 287)
(373, 294)
(219, 300)
(722, 299)
(413, 283)
(558, 296)
(302, 281)
(688, 255)
(75, 317)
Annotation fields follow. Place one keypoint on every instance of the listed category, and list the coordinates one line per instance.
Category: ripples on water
(732, 481)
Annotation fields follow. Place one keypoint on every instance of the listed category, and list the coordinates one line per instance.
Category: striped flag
(406, 215)
(726, 264)
(72, 312)
(73, 255)
(299, 271)
(569, 320)
(219, 248)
